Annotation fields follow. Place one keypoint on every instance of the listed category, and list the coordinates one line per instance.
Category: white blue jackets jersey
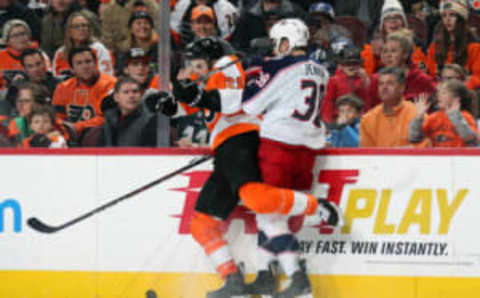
(289, 92)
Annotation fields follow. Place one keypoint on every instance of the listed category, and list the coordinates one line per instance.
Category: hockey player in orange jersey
(234, 142)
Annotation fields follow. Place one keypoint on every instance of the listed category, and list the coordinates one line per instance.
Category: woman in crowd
(17, 37)
(78, 32)
(29, 96)
(141, 35)
(454, 42)
(397, 51)
(55, 19)
(392, 19)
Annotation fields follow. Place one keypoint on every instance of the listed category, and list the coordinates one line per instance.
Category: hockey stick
(40, 226)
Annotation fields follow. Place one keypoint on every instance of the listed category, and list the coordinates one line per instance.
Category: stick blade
(39, 226)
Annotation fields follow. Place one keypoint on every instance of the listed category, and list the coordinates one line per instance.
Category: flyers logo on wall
(369, 212)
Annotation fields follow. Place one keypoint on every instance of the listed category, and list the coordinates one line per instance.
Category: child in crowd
(345, 131)
(350, 77)
(452, 125)
(42, 121)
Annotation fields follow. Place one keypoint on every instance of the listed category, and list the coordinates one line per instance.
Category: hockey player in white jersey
(288, 93)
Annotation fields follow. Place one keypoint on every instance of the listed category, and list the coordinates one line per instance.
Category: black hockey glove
(161, 102)
(186, 91)
(40, 140)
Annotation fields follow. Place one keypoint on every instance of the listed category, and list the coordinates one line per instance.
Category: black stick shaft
(36, 224)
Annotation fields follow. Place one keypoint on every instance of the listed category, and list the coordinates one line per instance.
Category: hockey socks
(263, 199)
(206, 231)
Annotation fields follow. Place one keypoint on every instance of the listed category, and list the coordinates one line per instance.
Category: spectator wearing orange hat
(223, 13)
(203, 24)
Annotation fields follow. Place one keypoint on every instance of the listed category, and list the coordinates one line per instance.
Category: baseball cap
(137, 53)
(202, 10)
(350, 55)
(322, 8)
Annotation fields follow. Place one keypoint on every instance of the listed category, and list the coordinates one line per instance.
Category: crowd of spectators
(76, 73)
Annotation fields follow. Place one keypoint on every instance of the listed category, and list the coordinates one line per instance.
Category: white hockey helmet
(294, 30)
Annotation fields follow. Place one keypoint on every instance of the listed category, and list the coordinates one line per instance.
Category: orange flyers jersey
(11, 66)
(441, 132)
(225, 125)
(61, 67)
(154, 83)
(80, 104)
(58, 141)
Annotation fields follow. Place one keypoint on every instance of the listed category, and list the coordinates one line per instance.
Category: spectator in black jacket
(256, 21)
(35, 68)
(126, 123)
(11, 9)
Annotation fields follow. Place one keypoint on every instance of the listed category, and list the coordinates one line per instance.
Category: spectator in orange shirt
(77, 101)
(17, 37)
(452, 125)
(392, 19)
(454, 42)
(386, 125)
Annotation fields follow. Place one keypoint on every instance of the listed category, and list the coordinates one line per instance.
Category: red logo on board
(336, 179)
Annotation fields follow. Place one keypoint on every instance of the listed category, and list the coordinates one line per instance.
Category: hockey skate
(330, 213)
(264, 284)
(234, 287)
(299, 287)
